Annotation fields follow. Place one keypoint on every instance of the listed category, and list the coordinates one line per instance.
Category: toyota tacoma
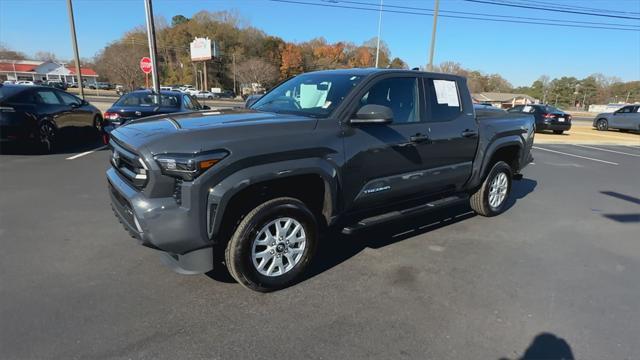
(347, 149)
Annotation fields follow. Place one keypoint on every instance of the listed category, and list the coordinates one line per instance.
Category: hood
(198, 131)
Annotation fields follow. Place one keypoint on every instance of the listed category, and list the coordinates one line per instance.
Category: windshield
(315, 95)
(146, 99)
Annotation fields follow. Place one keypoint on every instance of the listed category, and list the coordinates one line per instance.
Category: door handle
(469, 133)
(419, 138)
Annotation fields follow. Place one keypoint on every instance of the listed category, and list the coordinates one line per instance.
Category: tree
(291, 63)
(8, 54)
(398, 63)
(45, 56)
(178, 19)
(256, 71)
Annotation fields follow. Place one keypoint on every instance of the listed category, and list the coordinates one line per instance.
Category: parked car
(101, 86)
(547, 117)
(25, 82)
(56, 84)
(203, 94)
(226, 94)
(39, 114)
(625, 119)
(142, 103)
(347, 149)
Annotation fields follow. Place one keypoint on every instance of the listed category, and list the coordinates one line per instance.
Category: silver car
(625, 118)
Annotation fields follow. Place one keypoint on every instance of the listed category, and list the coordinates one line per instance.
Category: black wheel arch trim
(481, 168)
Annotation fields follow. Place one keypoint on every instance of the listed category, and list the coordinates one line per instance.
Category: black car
(142, 103)
(226, 94)
(39, 114)
(547, 117)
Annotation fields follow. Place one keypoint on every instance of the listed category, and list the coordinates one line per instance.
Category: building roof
(31, 65)
(500, 97)
(84, 71)
(9, 66)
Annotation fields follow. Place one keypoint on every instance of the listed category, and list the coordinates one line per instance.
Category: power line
(569, 7)
(552, 10)
(485, 14)
(333, 5)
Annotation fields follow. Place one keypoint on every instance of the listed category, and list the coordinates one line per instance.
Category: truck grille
(129, 165)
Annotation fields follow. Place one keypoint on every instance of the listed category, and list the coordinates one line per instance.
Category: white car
(203, 94)
(24, 82)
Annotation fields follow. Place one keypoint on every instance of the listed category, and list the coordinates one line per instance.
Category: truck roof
(372, 71)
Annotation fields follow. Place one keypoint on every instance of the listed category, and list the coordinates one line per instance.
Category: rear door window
(47, 97)
(69, 99)
(443, 99)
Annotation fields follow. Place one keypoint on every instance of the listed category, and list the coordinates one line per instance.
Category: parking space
(562, 260)
(582, 132)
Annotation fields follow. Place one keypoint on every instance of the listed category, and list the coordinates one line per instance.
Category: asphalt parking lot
(556, 274)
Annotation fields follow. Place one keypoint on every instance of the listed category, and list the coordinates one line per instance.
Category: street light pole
(233, 58)
(74, 42)
(151, 35)
(433, 34)
(379, 26)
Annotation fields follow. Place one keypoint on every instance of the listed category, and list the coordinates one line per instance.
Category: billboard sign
(202, 49)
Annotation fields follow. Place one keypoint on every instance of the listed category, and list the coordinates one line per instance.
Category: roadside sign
(145, 65)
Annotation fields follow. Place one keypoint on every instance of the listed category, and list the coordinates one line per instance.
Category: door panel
(453, 131)
(384, 162)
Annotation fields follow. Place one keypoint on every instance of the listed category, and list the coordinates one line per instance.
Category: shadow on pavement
(335, 247)
(547, 346)
(623, 218)
(70, 142)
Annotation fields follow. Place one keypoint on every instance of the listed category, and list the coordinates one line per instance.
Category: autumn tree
(291, 63)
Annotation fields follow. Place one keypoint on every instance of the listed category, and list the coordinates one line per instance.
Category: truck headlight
(188, 166)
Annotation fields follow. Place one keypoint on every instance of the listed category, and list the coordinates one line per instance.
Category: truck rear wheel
(490, 198)
(273, 245)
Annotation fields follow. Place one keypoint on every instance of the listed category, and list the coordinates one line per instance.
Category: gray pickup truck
(347, 149)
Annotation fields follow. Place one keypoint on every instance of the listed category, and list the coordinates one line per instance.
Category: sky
(519, 52)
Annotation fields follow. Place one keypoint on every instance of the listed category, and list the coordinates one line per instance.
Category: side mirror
(373, 114)
(205, 107)
(75, 105)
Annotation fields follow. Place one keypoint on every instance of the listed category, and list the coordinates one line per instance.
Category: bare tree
(45, 56)
(257, 71)
(8, 54)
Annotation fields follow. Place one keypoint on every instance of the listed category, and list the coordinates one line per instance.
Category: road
(563, 260)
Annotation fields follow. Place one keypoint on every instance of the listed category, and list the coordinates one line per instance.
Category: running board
(393, 215)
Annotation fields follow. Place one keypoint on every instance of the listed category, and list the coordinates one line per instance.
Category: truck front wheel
(273, 245)
(490, 198)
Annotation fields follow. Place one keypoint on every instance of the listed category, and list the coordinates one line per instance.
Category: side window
(186, 101)
(398, 94)
(47, 97)
(25, 97)
(516, 109)
(444, 100)
(68, 99)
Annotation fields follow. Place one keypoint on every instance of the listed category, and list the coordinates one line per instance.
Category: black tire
(238, 253)
(479, 200)
(97, 126)
(558, 132)
(602, 125)
(47, 135)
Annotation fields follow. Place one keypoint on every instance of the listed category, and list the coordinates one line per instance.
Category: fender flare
(480, 168)
(221, 194)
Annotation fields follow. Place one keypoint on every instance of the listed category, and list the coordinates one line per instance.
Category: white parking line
(577, 156)
(85, 153)
(613, 151)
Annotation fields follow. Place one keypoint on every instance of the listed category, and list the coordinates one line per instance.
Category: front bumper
(162, 224)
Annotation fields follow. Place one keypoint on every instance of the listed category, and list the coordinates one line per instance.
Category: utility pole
(556, 103)
(151, 35)
(433, 34)
(584, 100)
(74, 42)
(379, 26)
(233, 59)
(627, 100)
(205, 82)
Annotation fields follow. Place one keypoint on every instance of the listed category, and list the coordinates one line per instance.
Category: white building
(32, 70)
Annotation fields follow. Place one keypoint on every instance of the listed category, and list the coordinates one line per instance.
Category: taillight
(569, 117)
(548, 116)
(111, 115)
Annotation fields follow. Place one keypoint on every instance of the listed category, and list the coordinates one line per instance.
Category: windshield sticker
(446, 92)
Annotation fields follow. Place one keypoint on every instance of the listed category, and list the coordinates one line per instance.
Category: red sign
(145, 65)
